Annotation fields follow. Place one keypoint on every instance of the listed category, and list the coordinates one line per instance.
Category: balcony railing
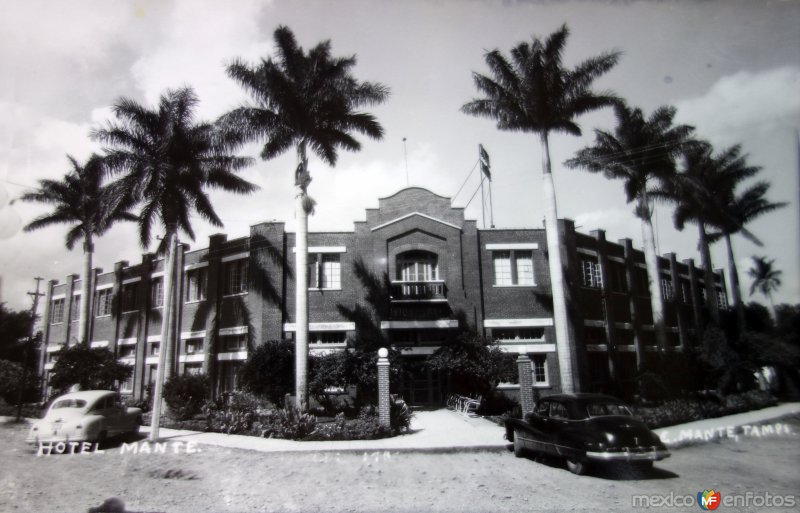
(418, 290)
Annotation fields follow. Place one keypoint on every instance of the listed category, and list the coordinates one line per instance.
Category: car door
(113, 414)
(539, 421)
(559, 423)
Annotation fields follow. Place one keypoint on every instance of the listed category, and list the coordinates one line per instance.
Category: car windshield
(600, 409)
(69, 403)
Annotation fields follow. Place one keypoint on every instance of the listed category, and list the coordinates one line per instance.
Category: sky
(730, 67)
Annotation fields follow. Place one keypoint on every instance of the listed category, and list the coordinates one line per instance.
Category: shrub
(285, 423)
(269, 370)
(232, 413)
(400, 415)
(679, 411)
(143, 404)
(185, 394)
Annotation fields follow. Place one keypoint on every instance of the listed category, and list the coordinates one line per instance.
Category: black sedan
(585, 427)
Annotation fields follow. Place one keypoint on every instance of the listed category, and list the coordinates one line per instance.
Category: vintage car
(583, 428)
(87, 416)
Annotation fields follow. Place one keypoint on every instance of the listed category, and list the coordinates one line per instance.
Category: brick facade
(443, 274)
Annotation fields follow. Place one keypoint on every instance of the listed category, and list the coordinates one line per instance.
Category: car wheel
(519, 449)
(576, 466)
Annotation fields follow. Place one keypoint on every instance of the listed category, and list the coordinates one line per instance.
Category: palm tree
(641, 152)
(80, 199)
(765, 279)
(534, 92)
(167, 159)
(736, 211)
(701, 193)
(306, 101)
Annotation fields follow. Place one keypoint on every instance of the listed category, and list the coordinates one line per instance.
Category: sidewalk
(447, 431)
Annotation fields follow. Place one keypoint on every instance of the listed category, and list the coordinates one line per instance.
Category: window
(193, 368)
(194, 346)
(417, 266)
(233, 343)
(236, 277)
(129, 293)
(666, 289)
(539, 367)
(57, 314)
(127, 385)
(686, 291)
(513, 268)
(75, 308)
(619, 282)
(558, 411)
(591, 277)
(155, 348)
(328, 337)
(103, 302)
(127, 351)
(157, 293)
(324, 271)
(518, 334)
(229, 376)
(721, 301)
(196, 284)
(543, 409)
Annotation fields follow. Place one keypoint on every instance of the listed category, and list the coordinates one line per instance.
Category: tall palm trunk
(736, 290)
(708, 273)
(569, 381)
(301, 281)
(653, 274)
(86, 290)
(165, 345)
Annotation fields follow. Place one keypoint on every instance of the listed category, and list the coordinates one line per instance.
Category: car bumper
(654, 455)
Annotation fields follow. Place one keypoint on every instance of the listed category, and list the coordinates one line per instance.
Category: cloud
(744, 104)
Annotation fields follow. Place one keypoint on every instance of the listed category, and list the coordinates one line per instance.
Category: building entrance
(421, 386)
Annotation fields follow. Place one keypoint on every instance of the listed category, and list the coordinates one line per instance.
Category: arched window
(417, 266)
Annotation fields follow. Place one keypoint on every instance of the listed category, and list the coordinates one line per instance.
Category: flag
(484, 158)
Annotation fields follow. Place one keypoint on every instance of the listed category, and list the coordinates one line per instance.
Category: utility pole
(36, 295)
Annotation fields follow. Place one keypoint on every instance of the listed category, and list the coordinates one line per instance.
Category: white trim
(53, 349)
(104, 287)
(132, 280)
(686, 276)
(126, 341)
(322, 326)
(442, 323)
(99, 343)
(151, 360)
(623, 325)
(527, 348)
(157, 274)
(49, 366)
(76, 292)
(589, 252)
(191, 358)
(237, 330)
(193, 334)
(154, 338)
(419, 350)
(594, 324)
(640, 265)
(518, 323)
(58, 296)
(597, 347)
(651, 349)
(237, 256)
(616, 259)
(127, 360)
(226, 357)
(324, 249)
(335, 345)
(384, 225)
(648, 327)
(512, 246)
(626, 348)
(198, 265)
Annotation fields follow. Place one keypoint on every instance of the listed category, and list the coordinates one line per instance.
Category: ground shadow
(603, 470)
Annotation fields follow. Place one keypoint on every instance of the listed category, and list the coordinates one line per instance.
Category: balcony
(418, 291)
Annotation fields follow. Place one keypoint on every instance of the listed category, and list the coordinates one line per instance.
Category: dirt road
(218, 479)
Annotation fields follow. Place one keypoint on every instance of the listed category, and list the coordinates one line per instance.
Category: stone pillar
(384, 407)
(525, 383)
